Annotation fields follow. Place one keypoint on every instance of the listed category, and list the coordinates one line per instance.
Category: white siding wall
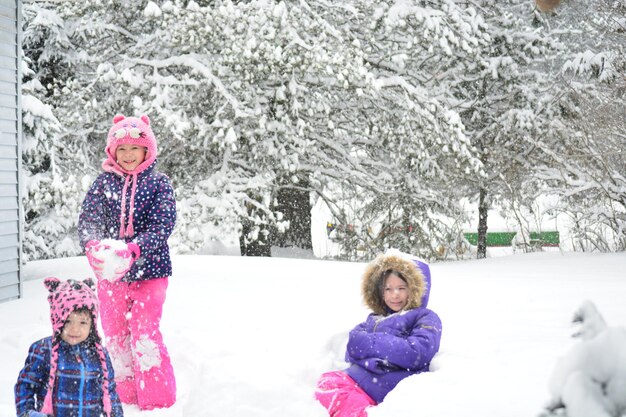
(10, 151)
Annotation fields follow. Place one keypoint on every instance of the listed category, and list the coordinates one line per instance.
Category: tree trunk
(258, 247)
(483, 209)
(261, 246)
(295, 204)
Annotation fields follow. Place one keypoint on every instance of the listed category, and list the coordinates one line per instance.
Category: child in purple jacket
(397, 340)
(126, 219)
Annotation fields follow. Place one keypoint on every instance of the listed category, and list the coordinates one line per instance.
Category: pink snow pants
(341, 396)
(130, 315)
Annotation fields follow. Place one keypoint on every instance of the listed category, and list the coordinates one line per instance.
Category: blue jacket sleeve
(30, 388)
(411, 347)
(91, 224)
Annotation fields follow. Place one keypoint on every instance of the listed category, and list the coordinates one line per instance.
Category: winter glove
(95, 261)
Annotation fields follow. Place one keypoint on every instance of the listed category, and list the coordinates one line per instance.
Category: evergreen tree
(50, 196)
(393, 114)
(414, 144)
(585, 167)
(506, 101)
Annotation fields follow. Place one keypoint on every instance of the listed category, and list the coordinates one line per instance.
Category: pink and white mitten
(113, 258)
(92, 249)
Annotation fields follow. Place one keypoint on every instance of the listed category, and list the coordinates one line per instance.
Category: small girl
(127, 217)
(68, 374)
(397, 340)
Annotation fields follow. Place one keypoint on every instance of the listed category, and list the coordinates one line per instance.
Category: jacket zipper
(378, 320)
(82, 383)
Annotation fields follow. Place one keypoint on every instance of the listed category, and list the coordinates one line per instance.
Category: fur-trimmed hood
(416, 273)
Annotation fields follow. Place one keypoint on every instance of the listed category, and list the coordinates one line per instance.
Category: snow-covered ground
(249, 336)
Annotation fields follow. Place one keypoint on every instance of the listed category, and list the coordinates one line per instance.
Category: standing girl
(398, 339)
(69, 374)
(131, 210)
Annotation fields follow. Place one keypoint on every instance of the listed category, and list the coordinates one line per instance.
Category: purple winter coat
(154, 218)
(388, 346)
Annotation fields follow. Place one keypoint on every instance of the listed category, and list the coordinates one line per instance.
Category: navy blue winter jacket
(154, 218)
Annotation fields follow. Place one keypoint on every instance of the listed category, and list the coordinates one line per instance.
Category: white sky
(249, 336)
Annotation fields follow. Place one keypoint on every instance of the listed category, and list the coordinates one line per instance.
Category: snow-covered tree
(415, 144)
(234, 90)
(257, 102)
(50, 197)
(262, 107)
(506, 100)
(276, 76)
(585, 168)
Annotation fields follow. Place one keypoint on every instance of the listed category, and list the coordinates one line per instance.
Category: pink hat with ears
(132, 131)
(65, 297)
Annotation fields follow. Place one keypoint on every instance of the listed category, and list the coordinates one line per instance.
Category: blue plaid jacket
(78, 388)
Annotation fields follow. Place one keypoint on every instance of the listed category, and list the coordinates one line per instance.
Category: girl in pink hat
(70, 373)
(127, 217)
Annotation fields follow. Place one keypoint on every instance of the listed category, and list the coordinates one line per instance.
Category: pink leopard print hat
(67, 296)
